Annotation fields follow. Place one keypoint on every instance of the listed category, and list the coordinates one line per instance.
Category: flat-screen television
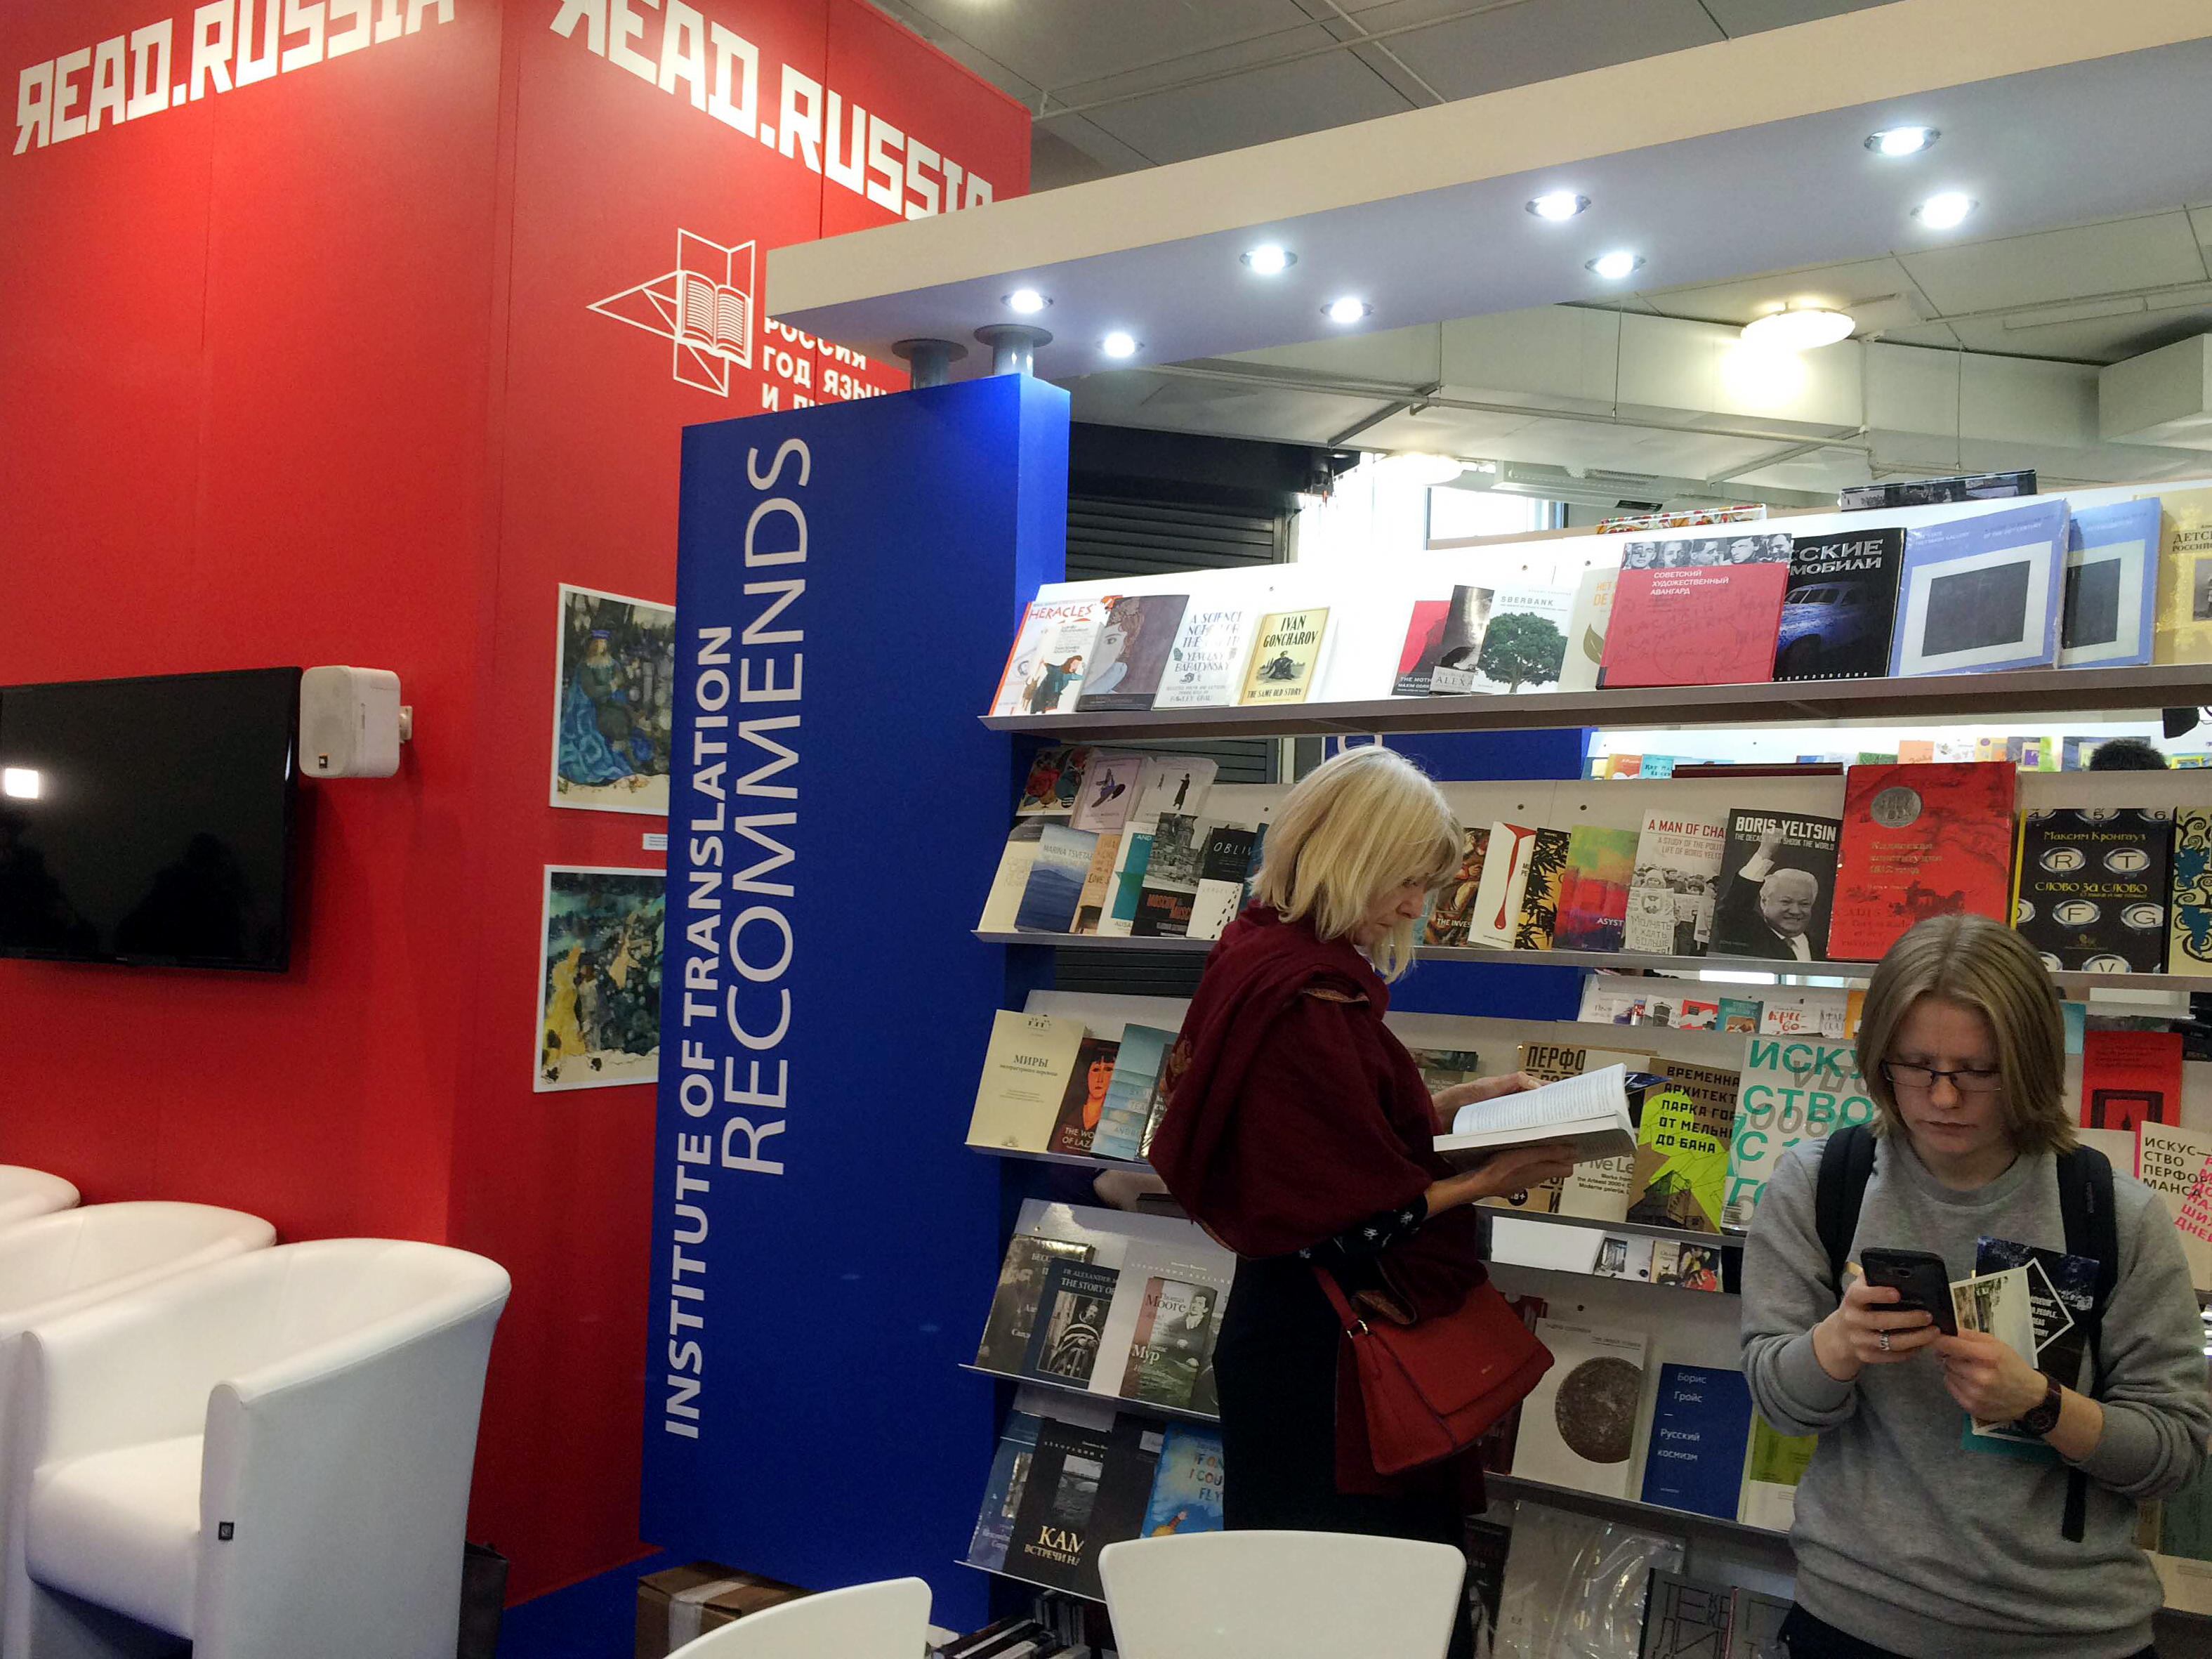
(150, 821)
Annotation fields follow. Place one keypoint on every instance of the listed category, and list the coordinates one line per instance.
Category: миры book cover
(1838, 608)
(2090, 887)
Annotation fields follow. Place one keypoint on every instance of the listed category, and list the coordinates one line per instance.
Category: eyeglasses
(1920, 1079)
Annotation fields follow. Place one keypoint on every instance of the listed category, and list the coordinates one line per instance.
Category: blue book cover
(2110, 616)
(994, 1521)
(1187, 1486)
(1981, 593)
(1055, 883)
(1121, 1129)
(1700, 1430)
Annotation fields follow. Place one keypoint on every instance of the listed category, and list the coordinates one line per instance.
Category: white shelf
(1118, 1402)
(1948, 698)
(1727, 1240)
(1636, 1509)
(1618, 961)
(1077, 1160)
(1034, 1583)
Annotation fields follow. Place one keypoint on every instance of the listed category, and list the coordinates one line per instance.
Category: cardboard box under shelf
(679, 1604)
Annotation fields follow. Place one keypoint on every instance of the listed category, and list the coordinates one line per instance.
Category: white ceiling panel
(1066, 43)
(2108, 340)
(1254, 107)
(1178, 403)
(2057, 264)
(1859, 283)
(1546, 39)
(1749, 16)
(2200, 219)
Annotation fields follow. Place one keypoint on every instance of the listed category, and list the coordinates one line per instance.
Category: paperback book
(1920, 841)
(1582, 1118)
(1054, 772)
(1170, 890)
(1284, 656)
(1173, 783)
(1982, 592)
(1461, 646)
(1774, 1465)
(1044, 671)
(1539, 895)
(1026, 1070)
(1680, 1175)
(1688, 1267)
(1187, 1487)
(1670, 893)
(1134, 638)
(2090, 886)
(1129, 1094)
(1108, 791)
(1523, 646)
(2110, 617)
(1578, 1425)
(1794, 1088)
(1083, 1102)
(1700, 1430)
(1453, 907)
(1586, 619)
(1055, 887)
(1206, 664)
(2062, 1291)
(1086, 1488)
(1600, 1189)
(1012, 1318)
(1778, 885)
(1841, 602)
(1424, 645)
(1224, 862)
(1169, 1359)
(2189, 937)
(2129, 1078)
(1503, 887)
(1099, 883)
(1592, 908)
(1010, 881)
(2176, 1166)
(1070, 1319)
(1002, 1494)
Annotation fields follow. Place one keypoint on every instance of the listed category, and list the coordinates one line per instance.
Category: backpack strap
(2086, 1206)
(1847, 1165)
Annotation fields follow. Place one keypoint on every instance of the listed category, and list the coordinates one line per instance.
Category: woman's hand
(1988, 1377)
(1854, 1334)
(1449, 1101)
(1512, 1171)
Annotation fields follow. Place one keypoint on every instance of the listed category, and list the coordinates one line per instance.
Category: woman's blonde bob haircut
(1352, 829)
(1987, 967)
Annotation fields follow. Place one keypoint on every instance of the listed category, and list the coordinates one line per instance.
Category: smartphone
(1920, 1279)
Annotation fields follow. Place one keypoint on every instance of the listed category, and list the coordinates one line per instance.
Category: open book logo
(703, 308)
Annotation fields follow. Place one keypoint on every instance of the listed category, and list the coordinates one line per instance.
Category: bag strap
(1353, 1323)
(2086, 1206)
(1847, 1165)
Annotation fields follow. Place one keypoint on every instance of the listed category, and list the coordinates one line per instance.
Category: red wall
(306, 372)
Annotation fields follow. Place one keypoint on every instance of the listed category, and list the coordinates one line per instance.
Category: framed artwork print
(598, 977)
(614, 692)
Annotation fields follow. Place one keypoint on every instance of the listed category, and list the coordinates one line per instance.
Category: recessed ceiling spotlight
(1026, 301)
(1349, 309)
(1120, 343)
(1615, 265)
(1901, 141)
(1560, 205)
(1942, 212)
(1796, 329)
(1268, 260)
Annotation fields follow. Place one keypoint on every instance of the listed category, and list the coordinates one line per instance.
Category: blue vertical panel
(823, 1241)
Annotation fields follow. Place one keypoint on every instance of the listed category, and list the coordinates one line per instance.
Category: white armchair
(26, 1192)
(269, 1459)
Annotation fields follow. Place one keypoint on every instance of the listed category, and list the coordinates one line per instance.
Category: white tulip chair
(26, 1192)
(890, 1620)
(267, 1459)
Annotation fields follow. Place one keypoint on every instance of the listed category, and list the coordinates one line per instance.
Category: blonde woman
(1909, 1540)
(1298, 1131)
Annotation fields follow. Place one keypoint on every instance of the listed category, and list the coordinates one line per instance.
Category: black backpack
(2085, 1203)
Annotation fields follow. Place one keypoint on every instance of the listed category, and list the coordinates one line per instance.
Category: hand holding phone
(1884, 1316)
(1921, 1281)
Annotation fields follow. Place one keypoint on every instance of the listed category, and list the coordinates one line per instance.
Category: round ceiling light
(1943, 211)
(1269, 261)
(1349, 309)
(1415, 468)
(1901, 141)
(1615, 265)
(1120, 343)
(1027, 302)
(1797, 331)
(1559, 204)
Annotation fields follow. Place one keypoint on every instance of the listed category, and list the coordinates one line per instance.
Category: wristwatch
(2041, 1419)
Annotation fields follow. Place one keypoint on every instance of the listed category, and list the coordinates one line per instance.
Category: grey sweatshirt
(1911, 1540)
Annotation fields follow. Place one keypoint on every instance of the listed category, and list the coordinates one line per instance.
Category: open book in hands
(1585, 1118)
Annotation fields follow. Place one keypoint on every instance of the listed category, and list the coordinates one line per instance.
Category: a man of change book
(1837, 613)
(1131, 653)
(1670, 894)
(1579, 1426)
(1778, 881)
(1206, 664)
(2089, 887)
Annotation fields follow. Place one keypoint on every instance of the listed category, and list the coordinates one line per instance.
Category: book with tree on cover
(1134, 638)
(2184, 578)
(1026, 1070)
(1701, 612)
(1920, 841)
(1044, 671)
(1798, 1088)
(1840, 606)
(1083, 1102)
(1206, 664)
(1503, 887)
(1778, 885)
(2090, 885)
(1593, 902)
(1679, 1176)
(1012, 1318)
(1525, 643)
(1452, 905)
(1540, 894)
(1586, 624)
(1285, 655)
(1670, 893)
(2189, 938)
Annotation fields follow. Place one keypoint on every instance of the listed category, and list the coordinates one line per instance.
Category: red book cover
(1926, 840)
(2130, 1078)
(1425, 643)
(1699, 625)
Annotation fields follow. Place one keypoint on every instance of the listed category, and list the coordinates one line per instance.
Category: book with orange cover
(1919, 841)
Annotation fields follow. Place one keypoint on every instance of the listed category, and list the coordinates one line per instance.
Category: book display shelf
(1551, 1255)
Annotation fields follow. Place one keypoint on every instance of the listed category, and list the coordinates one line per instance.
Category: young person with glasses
(1911, 1543)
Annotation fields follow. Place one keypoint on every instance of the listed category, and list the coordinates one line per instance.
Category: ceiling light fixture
(1800, 330)
(1559, 204)
(1943, 211)
(1026, 301)
(1120, 343)
(1349, 309)
(22, 782)
(1901, 141)
(1424, 470)
(1615, 265)
(1269, 261)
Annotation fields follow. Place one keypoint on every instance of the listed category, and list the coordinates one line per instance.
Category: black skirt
(1275, 1368)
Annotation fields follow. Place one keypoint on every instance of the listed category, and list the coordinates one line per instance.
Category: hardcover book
(1002, 1496)
(1670, 894)
(1129, 1094)
(1083, 1102)
(1424, 645)
(2129, 1078)
(1777, 885)
(1504, 886)
(1044, 671)
(1055, 887)
(1453, 906)
(1054, 772)
(1012, 1318)
(1071, 1318)
(1540, 894)
(1680, 1176)
(1066, 1511)
(1919, 841)
(1131, 653)
(2184, 578)
(1592, 908)
(1525, 645)
(1169, 890)
(1284, 656)
(1224, 861)
(1982, 592)
(2189, 937)
(1924, 492)
(1578, 1425)
(1461, 645)
(1697, 613)
(1025, 1071)
(2110, 616)
(1186, 1486)
(1794, 1088)
(1206, 664)
(2090, 885)
(1587, 621)
(1700, 1428)
(1841, 603)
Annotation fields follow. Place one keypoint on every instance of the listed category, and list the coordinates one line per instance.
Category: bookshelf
(1615, 1509)
(1118, 1402)
(1034, 1583)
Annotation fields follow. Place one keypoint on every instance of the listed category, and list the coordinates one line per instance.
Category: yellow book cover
(2184, 578)
(1284, 655)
